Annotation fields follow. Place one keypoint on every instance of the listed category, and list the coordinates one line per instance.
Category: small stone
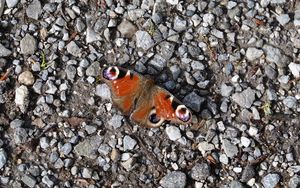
(26, 78)
(128, 143)
(28, 45)
(229, 149)
(248, 173)
(173, 179)
(231, 4)
(34, 9)
(87, 173)
(245, 141)
(20, 135)
(143, 40)
(223, 159)
(46, 180)
(253, 53)
(294, 181)
(200, 171)
(205, 146)
(59, 163)
(44, 142)
(66, 148)
(295, 69)
(173, 133)
(270, 72)
(135, 14)
(244, 99)
(253, 131)
(217, 33)
(16, 123)
(89, 146)
(158, 62)
(93, 69)
(179, 24)
(51, 87)
(3, 158)
(29, 180)
(236, 184)
(226, 90)
(290, 101)
(128, 163)
(115, 121)
(73, 49)
(22, 98)
(283, 19)
(127, 29)
(209, 19)
(270, 180)
(193, 101)
(4, 52)
(172, 2)
(71, 72)
(275, 55)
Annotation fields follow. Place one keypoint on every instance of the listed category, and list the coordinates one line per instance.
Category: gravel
(244, 99)
(270, 180)
(4, 51)
(200, 171)
(173, 133)
(28, 45)
(174, 179)
(3, 158)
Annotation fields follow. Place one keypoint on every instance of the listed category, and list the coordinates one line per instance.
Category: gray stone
(3, 158)
(295, 69)
(290, 101)
(283, 19)
(104, 149)
(66, 148)
(230, 149)
(115, 121)
(226, 90)
(34, 9)
(193, 101)
(20, 135)
(253, 53)
(90, 129)
(2, 4)
(277, 1)
(71, 72)
(50, 7)
(274, 55)
(80, 26)
(28, 45)
(270, 72)
(217, 33)
(236, 184)
(89, 146)
(59, 163)
(51, 87)
(44, 142)
(29, 180)
(73, 49)
(22, 98)
(244, 99)
(167, 50)
(143, 40)
(172, 2)
(4, 52)
(93, 69)
(270, 180)
(200, 171)
(103, 91)
(16, 123)
(209, 19)
(294, 181)
(26, 78)
(158, 62)
(179, 24)
(127, 29)
(92, 36)
(173, 133)
(128, 143)
(53, 157)
(37, 86)
(248, 173)
(46, 180)
(135, 14)
(175, 179)
(87, 173)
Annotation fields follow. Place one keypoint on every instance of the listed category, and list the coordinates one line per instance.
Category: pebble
(173, 133)
(295, 69)
(173, 179)
(193, 101)
(46, 180)
(230, 149)
(44, 142)
(92, 36)
(179, 24)
(93, 69)
(4, 52)
(16, 123)
(28, 45)
(294, 181)
(236, 184)
(253, 53)
(73, 49)
(290, 101)
(22, 98)
(115, 121)
(89, 146)
(248, 173)
(274, 55)
(270, 72)
(223, 159)
(172, 2)
(283, 19)
(127, 29)
(128, 143)
(71, 72)
(2, 4)
(29, 180)
(270, 180)
(87, 173)
(200, 171)
(3, 158)
(158, 62)
(205, 146)
(244, 99)
(34, 9)
(26, 78)
(245, 141)
(51, 87)
(226, 90)
(66, 148)
(20, 135)
(143, 40)
(209, 19)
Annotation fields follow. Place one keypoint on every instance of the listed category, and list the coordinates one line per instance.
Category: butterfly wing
(157, 105)
(124, 85)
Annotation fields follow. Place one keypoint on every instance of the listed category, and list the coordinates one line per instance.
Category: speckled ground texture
(235, 64)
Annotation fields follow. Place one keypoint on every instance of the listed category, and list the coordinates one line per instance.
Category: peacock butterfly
(138, 97)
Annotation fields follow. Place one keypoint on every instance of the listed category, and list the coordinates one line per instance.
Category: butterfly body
(138, 97)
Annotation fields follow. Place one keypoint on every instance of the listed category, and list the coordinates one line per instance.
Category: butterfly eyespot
(153, 118)
(183, 113)
(111, 73)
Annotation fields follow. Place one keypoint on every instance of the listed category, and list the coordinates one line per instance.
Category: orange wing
(124, 85)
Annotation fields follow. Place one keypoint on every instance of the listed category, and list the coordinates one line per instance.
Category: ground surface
(234, 63)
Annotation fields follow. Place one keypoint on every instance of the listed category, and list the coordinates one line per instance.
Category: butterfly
(144, 102)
